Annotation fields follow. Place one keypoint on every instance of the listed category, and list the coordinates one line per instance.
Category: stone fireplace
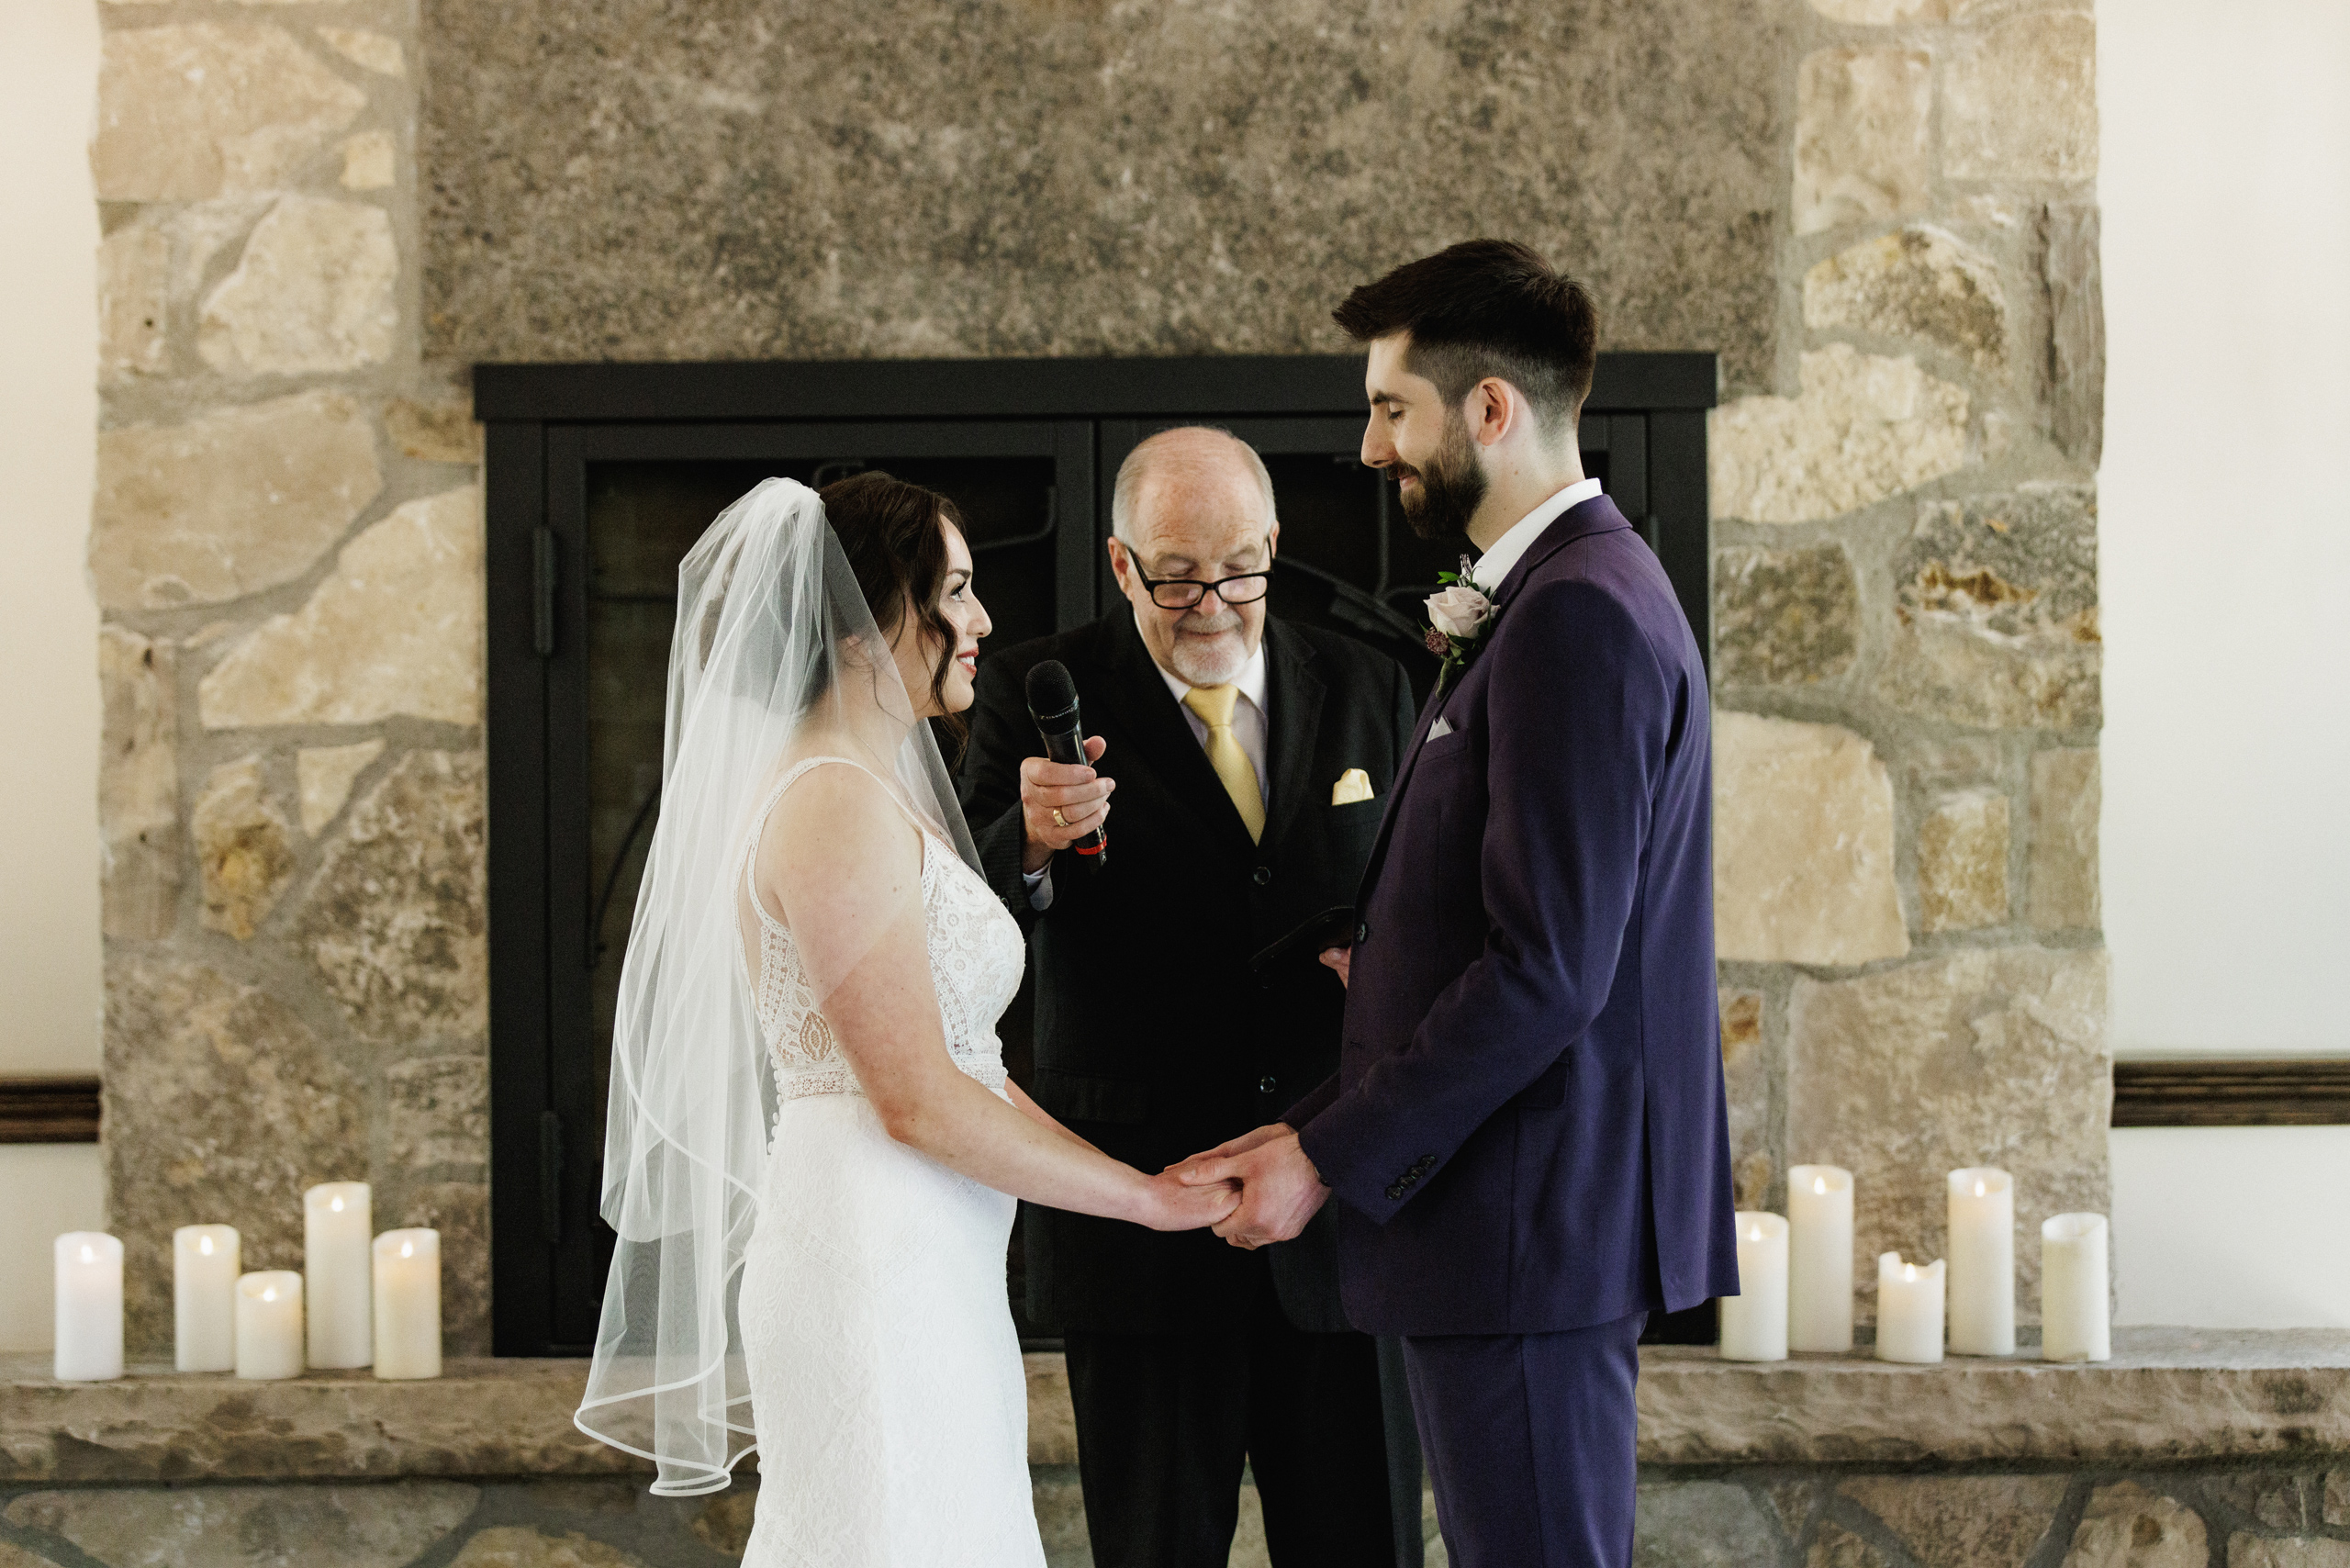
(1878, 215)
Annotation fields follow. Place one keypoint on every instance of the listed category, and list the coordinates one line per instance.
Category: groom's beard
(1451, 488)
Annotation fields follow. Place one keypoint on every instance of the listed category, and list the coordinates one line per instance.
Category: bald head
(1194, 503)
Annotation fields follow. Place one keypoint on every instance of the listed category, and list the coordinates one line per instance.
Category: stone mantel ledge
(2168, 1394)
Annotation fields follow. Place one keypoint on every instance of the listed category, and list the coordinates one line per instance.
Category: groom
(1527, 1133)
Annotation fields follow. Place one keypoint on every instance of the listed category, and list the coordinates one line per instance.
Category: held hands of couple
(1060, 803)
(1279, 1190)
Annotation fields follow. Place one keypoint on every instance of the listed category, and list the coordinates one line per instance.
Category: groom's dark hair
(1486, 307)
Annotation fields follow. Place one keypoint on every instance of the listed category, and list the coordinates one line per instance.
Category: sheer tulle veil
(774, 643)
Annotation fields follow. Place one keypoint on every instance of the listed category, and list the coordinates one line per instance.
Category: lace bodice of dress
(976, 958)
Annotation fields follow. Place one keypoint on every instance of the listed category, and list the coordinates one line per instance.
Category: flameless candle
(269, 1325)
(1909, 1310)
(205, 1261)
(1754, 1321)
(1982, 1262)
(2074, 1317)
(89, 1307)
(408, 1303)
(1819, 1257)
(337, 1227)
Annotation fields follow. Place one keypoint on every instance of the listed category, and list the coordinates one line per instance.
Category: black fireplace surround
(599, 477)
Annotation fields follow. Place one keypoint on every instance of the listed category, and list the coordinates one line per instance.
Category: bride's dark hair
(890, 532)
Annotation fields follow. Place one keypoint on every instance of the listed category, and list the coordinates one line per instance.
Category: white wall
(2224, 543)
(49, 703)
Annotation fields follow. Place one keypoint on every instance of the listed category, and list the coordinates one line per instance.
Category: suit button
(1265, 1085)
(1263, 874)
(1363, 933)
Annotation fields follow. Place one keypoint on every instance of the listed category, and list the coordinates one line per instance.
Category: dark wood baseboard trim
(49, 1110)
(2233, 1093)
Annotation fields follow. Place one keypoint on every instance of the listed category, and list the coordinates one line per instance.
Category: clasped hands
(1278, 1188)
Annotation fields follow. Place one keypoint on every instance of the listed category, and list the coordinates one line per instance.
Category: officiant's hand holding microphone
(1061, 803)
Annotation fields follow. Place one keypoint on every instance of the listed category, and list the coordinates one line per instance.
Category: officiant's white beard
(1209, 650)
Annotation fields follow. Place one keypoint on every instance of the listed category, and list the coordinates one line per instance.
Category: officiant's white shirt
(1248, 727)
(1494, 564)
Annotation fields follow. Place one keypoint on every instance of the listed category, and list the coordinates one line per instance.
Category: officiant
(1243, 762)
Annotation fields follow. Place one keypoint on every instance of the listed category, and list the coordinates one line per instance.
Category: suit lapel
(1156, 725)
(1394, 797)
(1293, 695)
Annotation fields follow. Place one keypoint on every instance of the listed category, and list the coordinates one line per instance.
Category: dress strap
(798, 771)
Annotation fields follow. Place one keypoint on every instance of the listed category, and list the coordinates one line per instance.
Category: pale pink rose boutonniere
(1459, 619)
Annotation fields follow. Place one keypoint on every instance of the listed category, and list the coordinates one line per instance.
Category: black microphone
(1052, 703)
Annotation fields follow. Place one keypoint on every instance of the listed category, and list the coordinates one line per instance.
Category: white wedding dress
(887, 1389)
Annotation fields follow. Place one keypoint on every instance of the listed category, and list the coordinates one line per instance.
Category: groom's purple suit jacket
(1527, 1132)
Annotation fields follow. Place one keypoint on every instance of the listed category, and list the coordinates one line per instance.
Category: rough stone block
(221, 1106)
(1746, 1073)
(2020, 100)
(134, 302)
(460, 1212)
(1863, 428)
(1985, 1056)
(2070, 268)
(1920, 283)
(724, 1523)
(2247, 1550)
(1059, 1500)
(242, 1527)
(436, 1111)
(244, 848)
(1988, 1521)
(1836, 1547)
(315, 291)
(2337, 1496)
(1784, 617)
(2125, 1526)
(396, 628)
(323, 777)
(1962, 863)
(2062, 871)
(17, 1557)
(1996, 614)
(202, 110)
(138, 786)
(2274, 1500)
(394, 918)
(1701, 1524)
(1076, 180)
(378, 52)
(226, 504)
(521, 1546)
(438, 432)
(1803, 845)
(1877, 13)
(370, 162)
(1861, 118)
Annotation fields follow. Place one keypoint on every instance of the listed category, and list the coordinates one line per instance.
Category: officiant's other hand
(1060, 803)
(1280, 1191)
(1340, 959)
(1171, 1204)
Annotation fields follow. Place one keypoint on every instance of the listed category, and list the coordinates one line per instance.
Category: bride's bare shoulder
(834, 818)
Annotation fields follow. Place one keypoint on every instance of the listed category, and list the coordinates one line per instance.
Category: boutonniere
(1459, 620)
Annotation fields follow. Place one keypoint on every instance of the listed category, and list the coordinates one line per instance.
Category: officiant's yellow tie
(1214, 704)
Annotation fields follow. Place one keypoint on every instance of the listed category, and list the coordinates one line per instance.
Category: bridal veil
(773, 638)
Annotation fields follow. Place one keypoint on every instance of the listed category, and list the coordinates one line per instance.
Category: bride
(813, 1152)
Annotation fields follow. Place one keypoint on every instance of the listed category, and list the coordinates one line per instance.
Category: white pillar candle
(89, 1307)
(1819, 1257)
(269, 1325)
(337, 1225)
(408, 1303)
(1909, 1310)
(205, 1261)
(2075, 1310)
(1982, 1262)
(1754, 1321)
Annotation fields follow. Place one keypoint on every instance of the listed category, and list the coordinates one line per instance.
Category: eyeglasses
(1182, 593)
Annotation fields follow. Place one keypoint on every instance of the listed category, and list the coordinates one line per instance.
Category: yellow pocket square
(1353, 785)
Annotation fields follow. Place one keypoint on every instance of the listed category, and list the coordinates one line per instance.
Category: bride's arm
(1037, 1114)
(844, 867)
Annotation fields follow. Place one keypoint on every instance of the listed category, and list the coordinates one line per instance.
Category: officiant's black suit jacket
(1155, 1037)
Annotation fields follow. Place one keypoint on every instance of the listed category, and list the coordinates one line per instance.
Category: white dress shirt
(1248, 727)
(1494, 564)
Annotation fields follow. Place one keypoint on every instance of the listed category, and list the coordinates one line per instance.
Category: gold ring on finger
(1058, 820)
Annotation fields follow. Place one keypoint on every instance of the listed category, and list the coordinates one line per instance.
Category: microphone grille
(1050, 690)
